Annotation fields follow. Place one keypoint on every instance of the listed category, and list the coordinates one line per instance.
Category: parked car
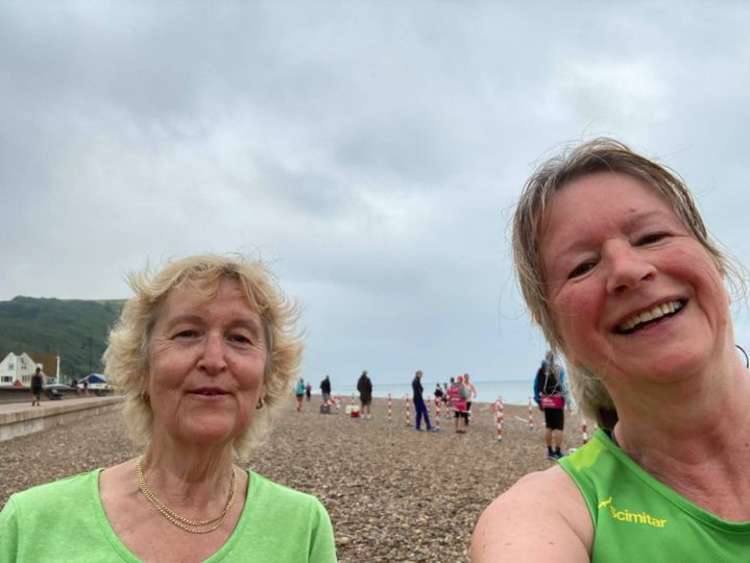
(96, 383)
(54, 391)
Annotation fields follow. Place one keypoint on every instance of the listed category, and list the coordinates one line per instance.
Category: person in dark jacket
(364, 386)
(419, 406)
(37, 384)
(439, 395)
(549, 394)
(325, 389)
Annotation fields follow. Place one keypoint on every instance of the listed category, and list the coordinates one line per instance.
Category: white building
(16, 370)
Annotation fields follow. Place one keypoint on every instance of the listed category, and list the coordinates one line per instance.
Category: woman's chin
(667, 370)
(209, 433)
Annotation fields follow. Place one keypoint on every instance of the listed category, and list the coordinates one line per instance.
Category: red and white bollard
(390, 408)
(498, 423)
(584, 431)
(531, 416)
(499, 419)
(437, 413)
(407, 417)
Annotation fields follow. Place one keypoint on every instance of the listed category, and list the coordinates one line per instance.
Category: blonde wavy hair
(529, 221)
(126, 357)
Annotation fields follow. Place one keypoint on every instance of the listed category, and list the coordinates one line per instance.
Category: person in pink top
(457, 398)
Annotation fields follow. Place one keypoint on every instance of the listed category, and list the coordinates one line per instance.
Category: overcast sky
(370, 152)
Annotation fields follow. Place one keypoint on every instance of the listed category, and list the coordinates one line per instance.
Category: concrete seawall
(22, 419)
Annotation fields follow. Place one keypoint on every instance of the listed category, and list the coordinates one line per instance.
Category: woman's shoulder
(273, 507)
(264, 489)
(552, 488)
(50, 505)
(60, 491)
(282, 524)
(544, 504)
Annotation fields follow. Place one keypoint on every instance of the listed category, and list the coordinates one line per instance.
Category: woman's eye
(188, 333)
(581, 269)
(651, 238)
(240, 339)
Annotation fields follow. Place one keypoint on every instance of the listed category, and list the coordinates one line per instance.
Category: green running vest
(637, 518)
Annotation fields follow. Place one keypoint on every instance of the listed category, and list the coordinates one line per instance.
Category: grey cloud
(370, 152)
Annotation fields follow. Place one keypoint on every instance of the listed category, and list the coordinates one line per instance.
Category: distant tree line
(76, 330)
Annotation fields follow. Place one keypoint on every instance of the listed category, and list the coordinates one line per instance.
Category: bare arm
(542, 518)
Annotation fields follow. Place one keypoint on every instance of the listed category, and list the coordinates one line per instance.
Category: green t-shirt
(65, 521)
(637, 518)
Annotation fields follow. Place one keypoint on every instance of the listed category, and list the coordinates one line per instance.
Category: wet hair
(600, 155)
(126, 358)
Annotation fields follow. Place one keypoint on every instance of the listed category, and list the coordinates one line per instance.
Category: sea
(512, 392)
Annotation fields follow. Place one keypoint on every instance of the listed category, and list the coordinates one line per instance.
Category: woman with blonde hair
(617, 268)
(204, 355)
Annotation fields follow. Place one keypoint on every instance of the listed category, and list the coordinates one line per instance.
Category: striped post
(407, 418)
(437, 413)
(531, 416)
(499, 419)
(390, 408)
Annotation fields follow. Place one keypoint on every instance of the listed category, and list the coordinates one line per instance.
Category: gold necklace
(192, 526)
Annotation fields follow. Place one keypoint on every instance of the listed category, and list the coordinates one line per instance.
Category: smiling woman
(204, 354)
(617, 268)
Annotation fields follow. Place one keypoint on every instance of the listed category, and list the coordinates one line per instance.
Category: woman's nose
(212, 357)
(628, 267)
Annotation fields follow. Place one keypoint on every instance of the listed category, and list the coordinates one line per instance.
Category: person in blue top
(299, 393)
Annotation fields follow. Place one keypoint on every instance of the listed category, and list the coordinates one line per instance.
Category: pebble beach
(393, 494)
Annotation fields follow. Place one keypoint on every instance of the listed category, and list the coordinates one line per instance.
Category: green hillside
(75, 329)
